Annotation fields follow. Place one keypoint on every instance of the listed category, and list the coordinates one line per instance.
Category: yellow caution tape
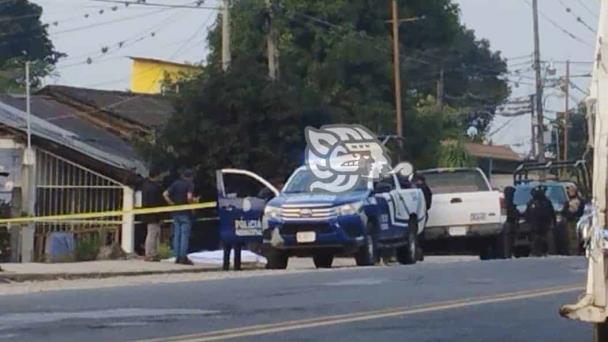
(93, 215)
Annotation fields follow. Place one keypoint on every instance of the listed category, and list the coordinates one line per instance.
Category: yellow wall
(147, 76)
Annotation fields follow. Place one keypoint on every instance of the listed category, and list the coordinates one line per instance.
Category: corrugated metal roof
(499, 152)
(59, 123)
(147, 110)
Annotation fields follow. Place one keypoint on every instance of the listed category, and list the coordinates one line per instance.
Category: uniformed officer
(541, 216)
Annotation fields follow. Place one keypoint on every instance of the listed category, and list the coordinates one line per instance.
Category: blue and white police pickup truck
(371, 219)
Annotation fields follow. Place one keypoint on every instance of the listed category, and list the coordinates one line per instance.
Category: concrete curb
(26, 277)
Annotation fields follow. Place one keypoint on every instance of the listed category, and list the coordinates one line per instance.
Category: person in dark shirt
(512, 214)
(420, 183)
(152, 196)
(541, 215)
(179, 193)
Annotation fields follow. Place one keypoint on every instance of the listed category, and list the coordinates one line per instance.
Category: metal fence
(64, 187)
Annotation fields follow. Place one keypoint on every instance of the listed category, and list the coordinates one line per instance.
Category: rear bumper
(472, 231)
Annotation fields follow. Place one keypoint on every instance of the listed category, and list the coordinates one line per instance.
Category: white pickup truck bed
(464, 205)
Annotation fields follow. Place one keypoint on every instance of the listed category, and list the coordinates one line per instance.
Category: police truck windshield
(456, 181)
(301, 180)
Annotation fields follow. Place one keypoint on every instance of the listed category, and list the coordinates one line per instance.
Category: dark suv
(563, 238)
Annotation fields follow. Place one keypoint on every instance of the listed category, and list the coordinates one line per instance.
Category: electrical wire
(593, 13)
(578, 19)
(151, 4)
(106, 50)
(559, 27)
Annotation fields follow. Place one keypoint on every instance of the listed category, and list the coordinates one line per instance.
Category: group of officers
(541, 216)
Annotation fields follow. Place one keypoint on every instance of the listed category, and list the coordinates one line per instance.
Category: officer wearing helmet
(541, 215)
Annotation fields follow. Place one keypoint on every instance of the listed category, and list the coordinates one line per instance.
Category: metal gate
(64, 187)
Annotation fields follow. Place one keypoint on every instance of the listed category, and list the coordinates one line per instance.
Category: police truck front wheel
(323, 260)
(277, 260)
(367, 254)
(408, 253)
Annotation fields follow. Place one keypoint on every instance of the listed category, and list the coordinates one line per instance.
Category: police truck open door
(241, 198)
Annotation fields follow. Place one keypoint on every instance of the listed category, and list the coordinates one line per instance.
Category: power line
(199, 4)
(559, 27)
(508, 122)
(86, 27)
(593, 13)
(148, 33)
(578, 19)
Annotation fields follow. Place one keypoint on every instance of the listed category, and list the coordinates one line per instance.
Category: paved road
(514, 300)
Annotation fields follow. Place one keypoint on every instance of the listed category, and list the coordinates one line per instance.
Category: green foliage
(87, 247)
(454, 154)
(5, 244)
(25, 38)
(234, 119)
(335, 67)
(578, 135)
(164, 251)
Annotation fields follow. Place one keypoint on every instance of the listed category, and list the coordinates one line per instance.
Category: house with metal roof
(497, 161)
(80, 166)
(127, 114)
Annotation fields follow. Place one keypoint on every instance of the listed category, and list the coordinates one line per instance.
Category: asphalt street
(502, 300)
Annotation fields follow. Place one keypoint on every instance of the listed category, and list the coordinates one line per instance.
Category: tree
(336, 67)
(24, 38)
(454, 154)
(234, 119)
(578, 135)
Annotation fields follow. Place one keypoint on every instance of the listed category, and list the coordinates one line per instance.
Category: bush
(87, 248)
(5, 243)
(164, 251)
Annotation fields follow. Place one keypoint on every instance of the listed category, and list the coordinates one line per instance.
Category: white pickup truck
(466, 214)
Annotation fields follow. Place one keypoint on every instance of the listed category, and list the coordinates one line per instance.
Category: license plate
(457, 231)
(478, 217)
(306, 237)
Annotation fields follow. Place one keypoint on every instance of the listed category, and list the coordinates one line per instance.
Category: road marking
(273, 328)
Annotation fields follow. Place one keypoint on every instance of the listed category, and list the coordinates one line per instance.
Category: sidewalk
(124, 268)
(94, 269)
(33, 272)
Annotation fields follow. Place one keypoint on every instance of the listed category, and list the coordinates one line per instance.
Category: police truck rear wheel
(367, 254)
(408, 254)
(323, 260)
(277, 260)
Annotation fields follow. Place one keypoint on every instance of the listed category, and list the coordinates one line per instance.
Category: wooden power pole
(273, 49)
(566, 110)
(397, 69)
(226, 56)
(533, 126)
(540, 136)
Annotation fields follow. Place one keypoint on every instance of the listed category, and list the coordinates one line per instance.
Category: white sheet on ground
(217, 257)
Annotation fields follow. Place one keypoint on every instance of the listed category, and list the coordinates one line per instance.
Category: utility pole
(226, 56)
(440, 90)
(533, 125)
(397, 71)
(28, 107)
(28, 179)
(273, 49)
(566, 110)
(539, 86)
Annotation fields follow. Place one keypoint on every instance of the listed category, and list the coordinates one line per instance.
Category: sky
(179, 35)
